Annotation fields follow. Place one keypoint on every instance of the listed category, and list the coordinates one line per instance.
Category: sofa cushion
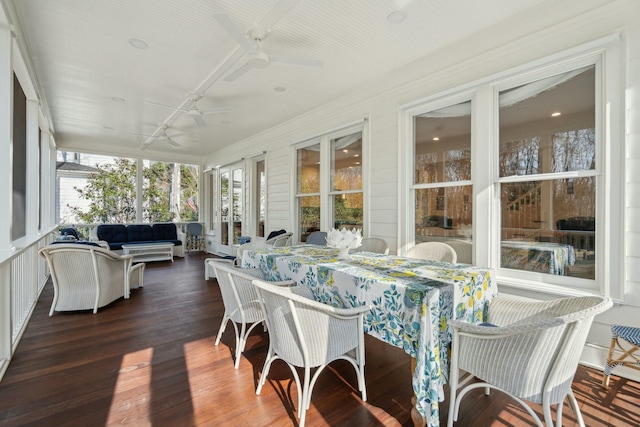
(139, 233)
(165, 231)
(112, 233)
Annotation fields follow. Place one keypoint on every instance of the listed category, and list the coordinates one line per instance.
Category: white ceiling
(85, 64)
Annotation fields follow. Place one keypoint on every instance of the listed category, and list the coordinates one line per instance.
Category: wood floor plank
(151, 361)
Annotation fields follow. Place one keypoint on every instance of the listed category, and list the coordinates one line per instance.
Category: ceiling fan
(195, 112)
(163, 135)
(251, 43)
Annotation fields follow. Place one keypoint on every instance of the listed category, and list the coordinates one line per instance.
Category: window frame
(326, 193)
(610, 247)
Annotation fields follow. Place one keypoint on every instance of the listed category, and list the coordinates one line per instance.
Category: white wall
(493, 51)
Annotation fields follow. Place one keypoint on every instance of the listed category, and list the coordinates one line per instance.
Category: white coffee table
(149, 251)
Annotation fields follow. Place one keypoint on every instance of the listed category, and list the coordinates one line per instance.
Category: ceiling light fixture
(435, 138)
(556, 114)
(345, 151)
(356, 155)
(396, 17)
(138, 44)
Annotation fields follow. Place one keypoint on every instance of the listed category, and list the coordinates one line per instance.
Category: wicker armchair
(89, 277)
(434, 251)
(530, 350)
(241, 305)
(308, 334)
(373, 244)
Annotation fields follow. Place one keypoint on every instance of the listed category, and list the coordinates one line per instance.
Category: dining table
(411, 301)
(543, 257)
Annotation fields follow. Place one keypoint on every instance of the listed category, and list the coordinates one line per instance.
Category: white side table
(149, 252)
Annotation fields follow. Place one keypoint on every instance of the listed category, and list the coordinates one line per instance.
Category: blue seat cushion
(165, 231)
(139, 233)
(112, 233)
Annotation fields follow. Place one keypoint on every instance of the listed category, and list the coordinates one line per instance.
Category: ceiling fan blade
(215, 110)
(296, 61)
(164, 106)
(198, 119)
(235, 33)
(277, 12)
(237, 73)
(172, 142)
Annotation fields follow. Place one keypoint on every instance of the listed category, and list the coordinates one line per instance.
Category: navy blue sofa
(117, 235)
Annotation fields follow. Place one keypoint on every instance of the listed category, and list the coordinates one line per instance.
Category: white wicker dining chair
(433, 251)
(280, 240)
(317, 238)
(209, 263)
(308, 334)
(241, 303)
(87, 276)
(529, 350)
(373, 244)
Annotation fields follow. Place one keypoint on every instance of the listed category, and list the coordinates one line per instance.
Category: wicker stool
(629, 346)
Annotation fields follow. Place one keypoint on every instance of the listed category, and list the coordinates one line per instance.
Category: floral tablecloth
(543, 257)
(411, 301)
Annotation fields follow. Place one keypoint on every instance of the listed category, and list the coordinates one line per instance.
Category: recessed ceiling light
(345, 151)
(138, 44)
(556, 114)
(435, 138)
(356, 155)
(396, 17)
(279, 89)
(117, 99)
(356, 163)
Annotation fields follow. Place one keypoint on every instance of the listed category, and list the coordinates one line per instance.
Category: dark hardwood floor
(151, 361)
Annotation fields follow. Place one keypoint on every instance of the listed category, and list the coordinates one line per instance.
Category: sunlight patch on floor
(132, 392)
(197, 355)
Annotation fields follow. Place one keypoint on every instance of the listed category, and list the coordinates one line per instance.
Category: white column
(486, 205)
(6, 99)
(6, 132)
(139, 189)
(33, 168)
(45, 191)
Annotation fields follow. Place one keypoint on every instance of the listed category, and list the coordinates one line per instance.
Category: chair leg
(607, 366)
(240, 340)
(265, 369)
(559, 407)
(223, 326)
(576, 409)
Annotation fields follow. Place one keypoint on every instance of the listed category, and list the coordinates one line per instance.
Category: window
(260, 196)
(442, 176)
(231, 205)
(329, 185)
(95, 189)
(346, 181)
(546, 203)
(170, 192)
(103, 189)
(548, 175)
(19, 150)
(308, 192)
